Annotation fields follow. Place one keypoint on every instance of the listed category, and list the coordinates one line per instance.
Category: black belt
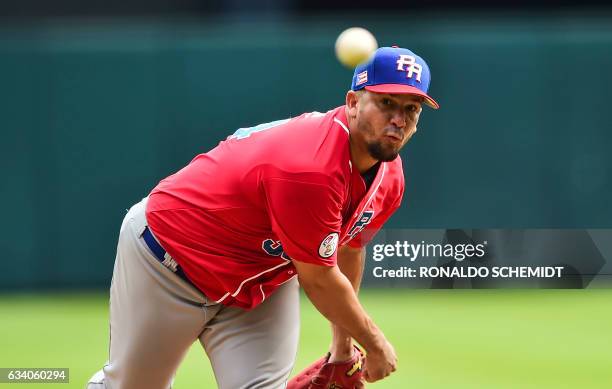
(160, 254)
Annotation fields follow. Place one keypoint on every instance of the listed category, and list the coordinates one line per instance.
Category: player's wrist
(377, 343)
(341, 338)
(335, 356)
(341, 350)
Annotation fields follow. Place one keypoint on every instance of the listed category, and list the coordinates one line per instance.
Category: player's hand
(380, 363)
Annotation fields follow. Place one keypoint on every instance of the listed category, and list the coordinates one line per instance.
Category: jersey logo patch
(329, 245)
(360, 224)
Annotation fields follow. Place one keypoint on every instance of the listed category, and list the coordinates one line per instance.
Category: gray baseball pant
(155, 316)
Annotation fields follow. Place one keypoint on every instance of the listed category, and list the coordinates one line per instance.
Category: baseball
(354, 45)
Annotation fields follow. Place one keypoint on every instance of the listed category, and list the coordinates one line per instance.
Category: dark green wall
(93, 115)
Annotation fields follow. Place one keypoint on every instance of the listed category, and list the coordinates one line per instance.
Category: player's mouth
(394, 137)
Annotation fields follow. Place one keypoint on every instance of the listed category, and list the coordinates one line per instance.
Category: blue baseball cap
(394, 70)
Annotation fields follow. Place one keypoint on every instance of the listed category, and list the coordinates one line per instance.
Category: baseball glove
(324, 375)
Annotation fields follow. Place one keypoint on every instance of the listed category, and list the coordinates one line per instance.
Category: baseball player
(214, 253)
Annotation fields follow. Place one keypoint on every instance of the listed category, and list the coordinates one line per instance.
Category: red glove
(325, 375)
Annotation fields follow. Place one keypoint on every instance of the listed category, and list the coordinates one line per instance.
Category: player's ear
(351, 103)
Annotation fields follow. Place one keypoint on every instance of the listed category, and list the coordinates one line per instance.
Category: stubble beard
(380, 153)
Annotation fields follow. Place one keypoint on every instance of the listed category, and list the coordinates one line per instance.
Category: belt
(163, 257)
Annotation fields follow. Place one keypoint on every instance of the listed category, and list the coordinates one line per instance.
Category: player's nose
(398, 119)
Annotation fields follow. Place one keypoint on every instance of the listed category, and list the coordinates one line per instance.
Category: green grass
(506, 339)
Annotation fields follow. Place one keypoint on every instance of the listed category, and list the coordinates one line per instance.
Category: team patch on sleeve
(329, 245)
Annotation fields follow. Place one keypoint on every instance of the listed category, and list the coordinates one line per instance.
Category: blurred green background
(463, 339)
(95, 111)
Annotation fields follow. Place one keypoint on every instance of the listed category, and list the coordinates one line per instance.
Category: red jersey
(235, 217)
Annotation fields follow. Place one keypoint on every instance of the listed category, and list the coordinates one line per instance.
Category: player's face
(386, 122)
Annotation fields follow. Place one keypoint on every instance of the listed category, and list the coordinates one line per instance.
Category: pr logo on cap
(413, 66)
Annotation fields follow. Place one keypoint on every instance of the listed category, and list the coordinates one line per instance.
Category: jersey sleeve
(369, 232)
(306, 217)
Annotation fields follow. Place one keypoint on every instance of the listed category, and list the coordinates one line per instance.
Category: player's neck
(360, 156)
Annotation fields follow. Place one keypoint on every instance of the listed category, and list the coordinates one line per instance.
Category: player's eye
(386, 102)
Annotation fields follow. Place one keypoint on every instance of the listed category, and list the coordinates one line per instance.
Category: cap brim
(400, 89)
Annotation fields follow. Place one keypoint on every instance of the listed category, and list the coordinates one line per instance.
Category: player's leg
(154, 316)
(257, 348)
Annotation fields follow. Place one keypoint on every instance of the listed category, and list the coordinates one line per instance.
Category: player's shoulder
(320, 122)
(312, 147)
(316, 142)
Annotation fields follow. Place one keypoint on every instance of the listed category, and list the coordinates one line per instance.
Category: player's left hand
(336, 375)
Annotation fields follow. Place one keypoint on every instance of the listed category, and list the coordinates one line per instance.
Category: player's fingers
(393, 364)
(366, 374)
(368, 378)
(372, 376)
